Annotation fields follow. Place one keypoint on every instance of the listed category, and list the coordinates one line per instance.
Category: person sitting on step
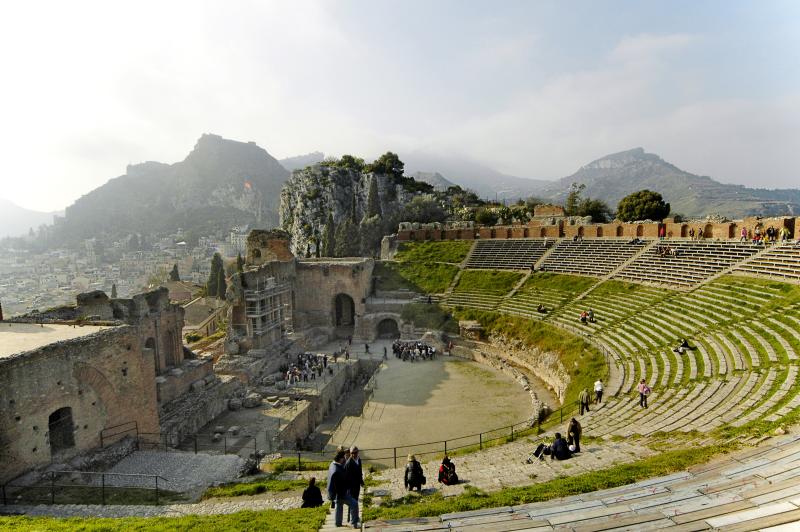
(447, 472)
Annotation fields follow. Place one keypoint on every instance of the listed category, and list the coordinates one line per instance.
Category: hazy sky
(535, 89)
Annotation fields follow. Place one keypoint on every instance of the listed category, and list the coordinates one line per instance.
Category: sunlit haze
(533, 89)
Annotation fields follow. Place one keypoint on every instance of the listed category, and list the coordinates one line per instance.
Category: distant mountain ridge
(221, 183)
(298, 162)
(17, 221)
(614, 176)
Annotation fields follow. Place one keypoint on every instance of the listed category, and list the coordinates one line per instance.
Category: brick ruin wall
(560, 229)
(105, 378)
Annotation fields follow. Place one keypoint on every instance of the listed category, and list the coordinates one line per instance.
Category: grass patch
(618, 475)
(296, 520)
(268, 483)
(453, 252)
(425, 316)
(583, 361)
(429, 278)
(290, 464)
(495, 282)
(208, 340)
(570, 284)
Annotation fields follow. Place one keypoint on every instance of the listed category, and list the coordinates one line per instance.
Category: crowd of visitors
(307, 366)
(413, 351)
(667, 251)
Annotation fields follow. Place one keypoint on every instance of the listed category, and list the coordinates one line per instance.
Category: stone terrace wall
(106, 378)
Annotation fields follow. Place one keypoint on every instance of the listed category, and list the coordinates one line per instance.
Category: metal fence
(426, 451)
(85, 487)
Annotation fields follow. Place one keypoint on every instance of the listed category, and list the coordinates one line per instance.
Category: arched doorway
(387, 328)
(344, 310)
(150, 344)
(61, 430)
(619, 230)
(640, 230)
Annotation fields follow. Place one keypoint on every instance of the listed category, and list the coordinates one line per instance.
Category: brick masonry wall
(106, 378)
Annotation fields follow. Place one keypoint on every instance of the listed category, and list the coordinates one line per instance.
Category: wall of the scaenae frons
(105, 378)
(320, 281)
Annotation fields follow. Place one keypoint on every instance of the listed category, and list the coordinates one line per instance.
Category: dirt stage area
(430, 401)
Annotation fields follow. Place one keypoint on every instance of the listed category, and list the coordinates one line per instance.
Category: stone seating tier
(508, 254)
(591, 256)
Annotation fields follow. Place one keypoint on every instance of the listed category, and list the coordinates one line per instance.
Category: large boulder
(252, 400)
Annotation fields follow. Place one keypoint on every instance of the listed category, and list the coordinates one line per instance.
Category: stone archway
(388, 329)
(61, 430)
(619, 230)
(344, 315)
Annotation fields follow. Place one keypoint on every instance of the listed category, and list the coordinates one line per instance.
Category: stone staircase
(756, 489)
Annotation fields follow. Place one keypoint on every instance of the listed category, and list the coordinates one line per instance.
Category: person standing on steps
(354, 477)
(413, 476)
(337, 486)
(644, 391)
(574, 435)
(583, 398)
(598, 391)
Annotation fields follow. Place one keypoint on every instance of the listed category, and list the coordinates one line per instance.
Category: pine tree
(353, 211)
(222, 286)
(329, 238)
(114, 291)
(373, 200)
(348, 240)
(212, 285)
(174, 275)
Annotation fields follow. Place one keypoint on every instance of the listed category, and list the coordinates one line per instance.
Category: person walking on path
(574, 434)
(644, 391)
(583, 398)
(354, 475)
(337, 491)
(598, 391)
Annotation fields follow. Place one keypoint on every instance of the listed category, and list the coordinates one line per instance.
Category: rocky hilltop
(221, 183)
(614, 176)
(324, 201)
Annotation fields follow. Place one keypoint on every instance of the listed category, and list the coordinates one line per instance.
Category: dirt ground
(431, 401)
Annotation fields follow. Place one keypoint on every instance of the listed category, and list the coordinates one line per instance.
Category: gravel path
(183, 472)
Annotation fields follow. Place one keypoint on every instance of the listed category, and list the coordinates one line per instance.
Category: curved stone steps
(758, 396)
(771, 400)
(784, 334)
(750, 329)
(751, 381)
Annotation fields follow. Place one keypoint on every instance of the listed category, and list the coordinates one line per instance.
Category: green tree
(642, 205)
(212, 284)
(387, 164)
(597, 209)
(423, 209)
(348, 240)
(329, 238)
(239, 263)
(485, 217)
(173, 274)
(351, 163)
(222, 286)
(373, 200)
(574, 198)
(114, 291)
(371, 232)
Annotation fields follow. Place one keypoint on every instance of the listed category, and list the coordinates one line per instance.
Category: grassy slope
(453, 251)
(298, 520)
(429, 278)
(619, 475)
(571, 284)
(489, 281)
(582, 360)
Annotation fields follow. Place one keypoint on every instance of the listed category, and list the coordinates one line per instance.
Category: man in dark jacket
(354, 474)
(337, 487)
(312, 497)
(560, 450)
